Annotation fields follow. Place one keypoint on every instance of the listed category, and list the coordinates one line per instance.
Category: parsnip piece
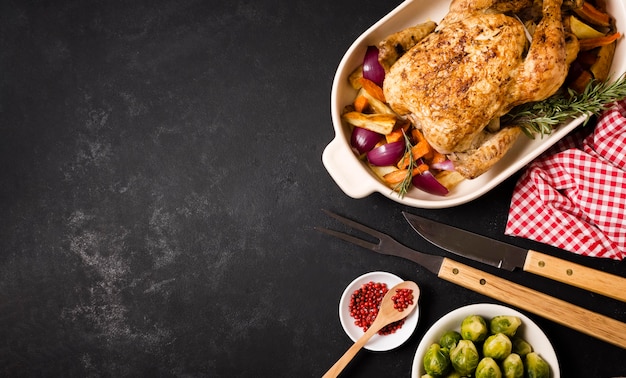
(380, 123)
(355, 78)
(449, 179)
(381, 171)
(376, 105)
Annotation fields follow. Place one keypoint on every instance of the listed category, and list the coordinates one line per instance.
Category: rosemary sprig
(403, 187)
(542, 117)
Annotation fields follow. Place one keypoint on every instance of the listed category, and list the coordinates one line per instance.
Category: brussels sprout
(436, 361)
(474, 328)
(464, 357)
(449, 339)
(427, 376)
(453, 374)
(497, 346)
(521, 347)
(513, 367)
(506, 324)
(488, 368)
(536, 367)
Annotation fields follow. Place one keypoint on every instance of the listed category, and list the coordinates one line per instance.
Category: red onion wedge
(363, 140)
(372, 70)
(446, 165)
(428, 183)
(387, 154)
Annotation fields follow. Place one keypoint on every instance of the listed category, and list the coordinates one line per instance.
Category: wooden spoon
(387, 314)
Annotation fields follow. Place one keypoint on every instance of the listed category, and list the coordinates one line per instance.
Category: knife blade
(506, 256)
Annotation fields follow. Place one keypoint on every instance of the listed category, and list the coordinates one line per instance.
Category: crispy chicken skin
(473, 68)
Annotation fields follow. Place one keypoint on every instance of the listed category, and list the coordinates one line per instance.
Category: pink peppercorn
(365, 302)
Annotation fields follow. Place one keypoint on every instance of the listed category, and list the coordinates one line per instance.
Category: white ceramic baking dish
(355, 178)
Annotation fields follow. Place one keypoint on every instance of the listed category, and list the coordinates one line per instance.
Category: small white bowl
(529, 331)
(377, 343)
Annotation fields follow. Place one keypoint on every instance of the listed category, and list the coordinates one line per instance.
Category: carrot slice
(397, 176)
(422, 168)
(417, 135)
(361, 103)
(592, 14)
(398, 133)
(438, 157)
(395, 135)
(421, 149)
(591, 43)
(404, 162)
(373, 89)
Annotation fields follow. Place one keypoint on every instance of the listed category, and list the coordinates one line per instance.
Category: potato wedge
(582, 31)
(602, 66)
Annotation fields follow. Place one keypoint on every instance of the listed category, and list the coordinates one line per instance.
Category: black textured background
(160, 175)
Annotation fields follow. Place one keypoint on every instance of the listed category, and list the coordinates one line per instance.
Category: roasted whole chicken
(476, 66)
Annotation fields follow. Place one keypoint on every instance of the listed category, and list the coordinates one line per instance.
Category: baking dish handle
(347, 171)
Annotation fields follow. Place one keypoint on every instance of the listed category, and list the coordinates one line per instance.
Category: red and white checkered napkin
(574, 195)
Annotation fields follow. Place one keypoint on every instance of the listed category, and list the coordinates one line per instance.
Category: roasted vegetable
(497, 346)
(521, 347)
(512, 366)
(506, 324)
(596, 33)
(474, 328)
(488, 368)
(593, 15)
(582, 30)
(536, 367)
(436, 361)
(602, 66)
(449, 339)
(464, 357)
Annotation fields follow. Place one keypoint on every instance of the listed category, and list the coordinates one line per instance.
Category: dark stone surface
(160, 175)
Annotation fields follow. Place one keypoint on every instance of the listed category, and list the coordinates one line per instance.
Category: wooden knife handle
(577, 275)
(557, 310)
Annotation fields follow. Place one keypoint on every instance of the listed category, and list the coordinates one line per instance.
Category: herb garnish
(541, 117)
(403, 187)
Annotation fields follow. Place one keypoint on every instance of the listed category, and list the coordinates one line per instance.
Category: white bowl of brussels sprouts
(485, 340)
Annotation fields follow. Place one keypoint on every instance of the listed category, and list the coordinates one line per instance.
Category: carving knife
(555, 309)
(506, 256)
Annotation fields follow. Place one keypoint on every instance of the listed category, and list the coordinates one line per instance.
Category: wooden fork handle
(557, 310)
